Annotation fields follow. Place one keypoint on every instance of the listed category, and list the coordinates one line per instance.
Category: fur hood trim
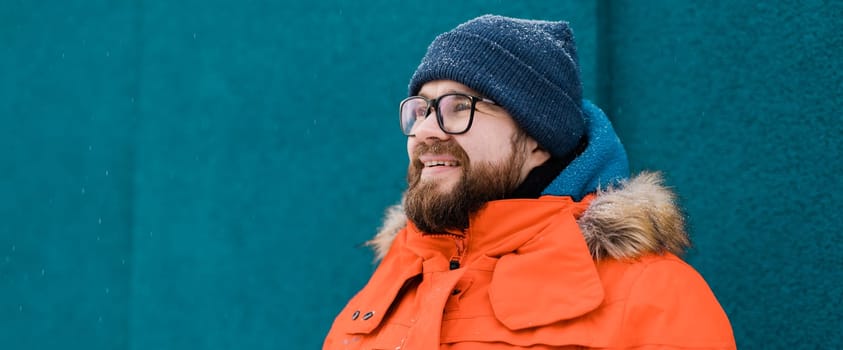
(636, 217)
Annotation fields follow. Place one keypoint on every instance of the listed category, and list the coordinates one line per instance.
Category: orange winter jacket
(545, 273)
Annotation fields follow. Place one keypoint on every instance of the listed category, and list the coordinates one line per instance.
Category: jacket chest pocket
(486, 332)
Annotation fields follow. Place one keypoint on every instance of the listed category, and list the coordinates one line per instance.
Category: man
(521, 227)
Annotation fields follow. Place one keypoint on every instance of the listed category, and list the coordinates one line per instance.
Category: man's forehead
(436, 88)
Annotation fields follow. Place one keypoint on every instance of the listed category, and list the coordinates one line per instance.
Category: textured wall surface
(741, 107)
(201, 174)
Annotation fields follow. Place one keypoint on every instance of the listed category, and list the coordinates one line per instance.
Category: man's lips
(431, 161)
(434, 164)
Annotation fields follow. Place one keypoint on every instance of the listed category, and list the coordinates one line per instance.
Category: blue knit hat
(528, 67)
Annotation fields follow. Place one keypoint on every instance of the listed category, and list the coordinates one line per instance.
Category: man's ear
(537, 155)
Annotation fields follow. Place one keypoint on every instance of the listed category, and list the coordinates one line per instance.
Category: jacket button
(355, 315)
(368, 315)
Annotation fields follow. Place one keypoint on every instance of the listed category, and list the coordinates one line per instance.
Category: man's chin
(442, 185)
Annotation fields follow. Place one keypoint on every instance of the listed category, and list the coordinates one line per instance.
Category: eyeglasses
(454, 112)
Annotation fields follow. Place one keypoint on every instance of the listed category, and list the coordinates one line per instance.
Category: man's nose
(428, 130)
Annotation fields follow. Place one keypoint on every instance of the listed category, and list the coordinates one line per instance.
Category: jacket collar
(499, 228)
(633, 218)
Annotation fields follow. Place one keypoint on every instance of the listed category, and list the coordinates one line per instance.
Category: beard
(439, 211)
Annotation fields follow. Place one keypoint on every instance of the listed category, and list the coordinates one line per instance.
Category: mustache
(449, 147)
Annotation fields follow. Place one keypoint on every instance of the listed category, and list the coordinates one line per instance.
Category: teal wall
(201, 174)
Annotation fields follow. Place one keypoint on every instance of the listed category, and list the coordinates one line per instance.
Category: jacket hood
(632, 218)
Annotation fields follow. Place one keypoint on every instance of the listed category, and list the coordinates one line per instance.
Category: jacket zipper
(459, 241)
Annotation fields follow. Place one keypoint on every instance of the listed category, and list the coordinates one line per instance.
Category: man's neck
(538, 179)
(541, 176)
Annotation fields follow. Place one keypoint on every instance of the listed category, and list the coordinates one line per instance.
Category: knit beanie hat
(528, 67)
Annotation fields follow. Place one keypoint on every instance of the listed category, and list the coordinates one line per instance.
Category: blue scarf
(602, 164)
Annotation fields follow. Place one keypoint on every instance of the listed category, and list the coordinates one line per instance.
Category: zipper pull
(459, 241)
(455, 263)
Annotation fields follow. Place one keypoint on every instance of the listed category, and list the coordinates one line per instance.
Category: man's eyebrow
(453, 91)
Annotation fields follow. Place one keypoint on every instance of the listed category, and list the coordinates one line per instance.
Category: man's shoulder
(655, 273)
(665, 301)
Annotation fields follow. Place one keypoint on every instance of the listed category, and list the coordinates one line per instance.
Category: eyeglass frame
(434, 103)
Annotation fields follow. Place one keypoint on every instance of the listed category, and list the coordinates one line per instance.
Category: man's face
(453, 176)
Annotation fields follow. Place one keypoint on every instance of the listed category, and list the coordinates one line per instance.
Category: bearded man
(521, 227)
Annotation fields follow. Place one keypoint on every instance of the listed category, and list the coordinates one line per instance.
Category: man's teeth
(439, 163)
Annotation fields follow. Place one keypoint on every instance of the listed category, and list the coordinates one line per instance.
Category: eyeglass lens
(453, 113)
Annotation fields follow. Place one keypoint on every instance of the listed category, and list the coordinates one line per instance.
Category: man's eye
(421, 112)
(463, 106)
